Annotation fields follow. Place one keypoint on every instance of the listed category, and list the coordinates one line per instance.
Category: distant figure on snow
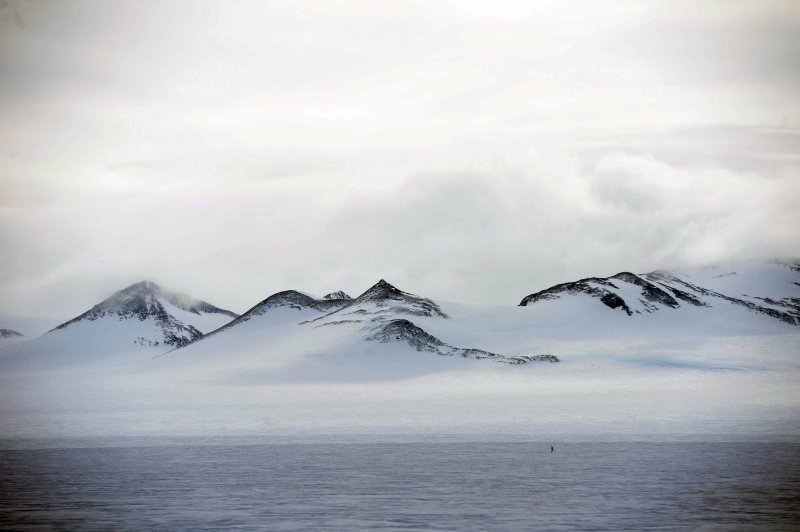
(552, 449)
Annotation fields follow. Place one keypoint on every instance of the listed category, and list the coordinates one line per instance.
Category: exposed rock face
(10, 333)
(290, 299)
(380, 314)
(141, 300)
(661, 290)
(384, 295)
(604, 289)
(402, 330)
(146, 300)
(408, 332)
(339, 294)
(788, 308)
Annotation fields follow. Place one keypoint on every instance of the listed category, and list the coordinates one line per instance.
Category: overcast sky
(463, 150)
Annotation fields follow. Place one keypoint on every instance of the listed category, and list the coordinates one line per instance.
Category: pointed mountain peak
(379, 291)
(288, 298)
(339, 294)
(292, 299)
(146, 299)
(384, 294)
(141, 287)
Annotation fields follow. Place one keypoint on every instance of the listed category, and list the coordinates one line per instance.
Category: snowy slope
(628, 318)
(142, 319)
(290, 327)
(771, 289)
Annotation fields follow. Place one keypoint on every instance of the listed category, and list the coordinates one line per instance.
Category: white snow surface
(721, 369)
(110, 335)
(761, 287)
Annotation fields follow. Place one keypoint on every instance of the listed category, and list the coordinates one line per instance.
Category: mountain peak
(295, 300)
(339, 294)
(146, 300)
(286, 298)
(384, 294)
(142, 286)
(380, 291)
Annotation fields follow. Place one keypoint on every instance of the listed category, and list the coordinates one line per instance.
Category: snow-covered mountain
(771, 289)
(338, 335)
(686, 359)
(383, 313)
(339, 294)
(140, 318)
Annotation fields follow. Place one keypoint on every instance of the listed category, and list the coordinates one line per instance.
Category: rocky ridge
(662, 290)
(405, 330)
(379, 309)
(146, 300)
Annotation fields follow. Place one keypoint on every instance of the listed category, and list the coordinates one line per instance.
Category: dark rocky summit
(290, 299)
(10, 333)
(339, 294)
(145, 300)
(391, 299)
(380, 314)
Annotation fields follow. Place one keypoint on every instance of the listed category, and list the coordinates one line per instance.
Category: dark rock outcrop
(338, 295)
(143, 300)
(402, 330)
(659, 290)
(384, 295)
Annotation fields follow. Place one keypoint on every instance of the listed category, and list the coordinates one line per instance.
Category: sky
(462, 150)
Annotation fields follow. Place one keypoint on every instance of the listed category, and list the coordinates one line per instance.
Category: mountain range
(144, 321)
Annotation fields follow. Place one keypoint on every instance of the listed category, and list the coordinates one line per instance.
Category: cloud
(490, 236)
(744, 46)
(233, 151)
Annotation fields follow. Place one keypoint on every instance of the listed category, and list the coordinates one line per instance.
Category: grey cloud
(484, 236)
(233, 150)
(741, 148)
(761, 48)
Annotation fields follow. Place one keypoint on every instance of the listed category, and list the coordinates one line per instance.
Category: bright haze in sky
(462, 150)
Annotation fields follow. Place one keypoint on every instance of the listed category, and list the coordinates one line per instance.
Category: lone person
(552, 449)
